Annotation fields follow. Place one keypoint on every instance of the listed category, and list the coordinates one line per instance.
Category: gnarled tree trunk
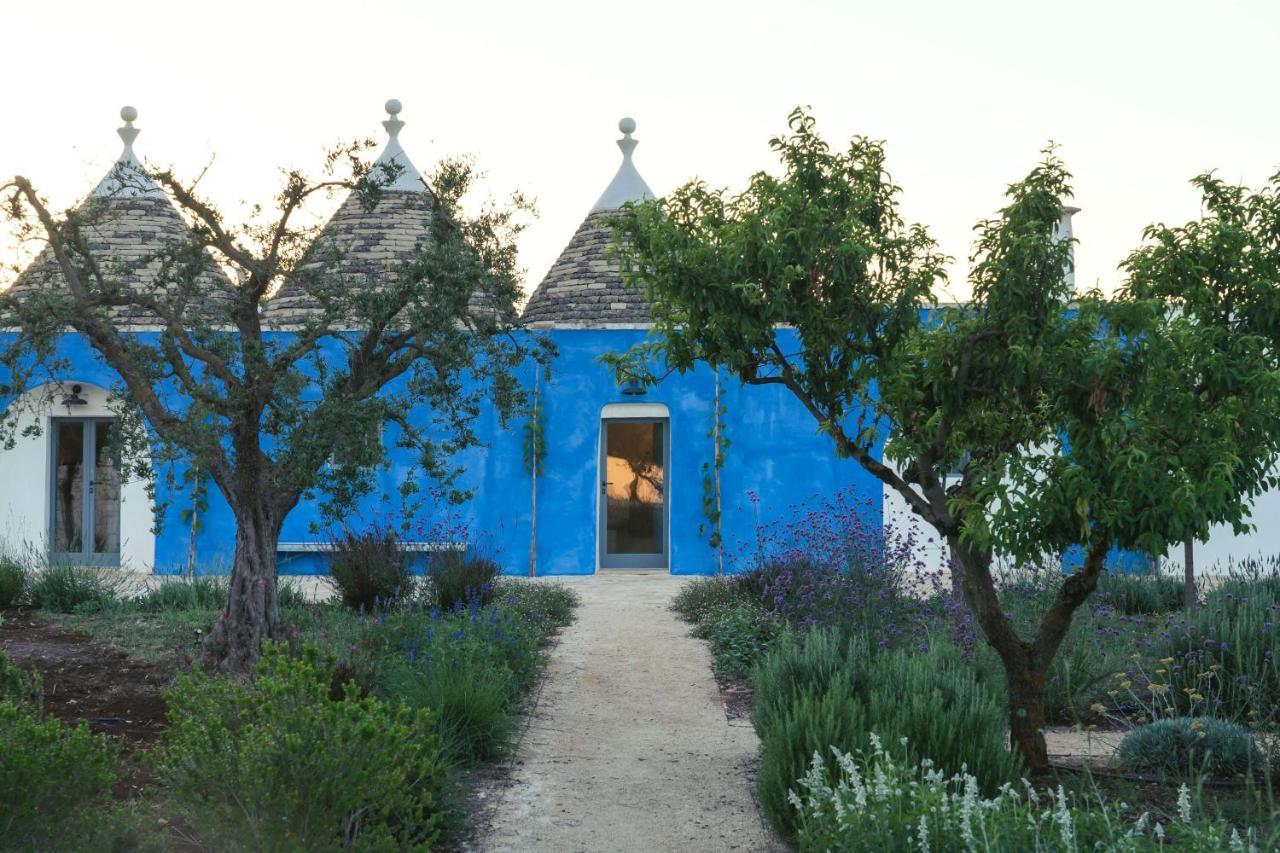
(1026, 663)
(251, 614)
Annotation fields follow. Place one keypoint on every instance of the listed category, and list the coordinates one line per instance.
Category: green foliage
(1190, 746)
(535, 441)
(1135, 421)
(1235, 639)
(739, 637)
(53, 779)
(838, 694)
(461, 579)
(279, 764)
(13, 581)
(182, 594)
(369, 567)
(469, 667)
(17, 685)
(1140, 594)
(881, 798)
(798, 664)
(72, 589)
(550, 604)
(700, 601)
(428, 349)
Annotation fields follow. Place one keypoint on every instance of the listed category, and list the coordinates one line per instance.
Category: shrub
(874, 800)
(470, 668)
(369, 567)
(13, 581)
(1140, 594)
(73, 589)
(1189, 746)
(1222, 658)
(700, 599)
(797, 665)
(185, 593)
(460, 579)
(551, 604)
(931, 699)
(289, 595)
(52, 778)
(276, 764)
(739, 636)
(19, 686)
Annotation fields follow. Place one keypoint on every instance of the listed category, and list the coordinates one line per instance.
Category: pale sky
(1141, 96)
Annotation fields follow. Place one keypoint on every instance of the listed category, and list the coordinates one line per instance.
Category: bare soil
(87, 680)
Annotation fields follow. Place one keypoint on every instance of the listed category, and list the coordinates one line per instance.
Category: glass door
(85, 488)
(633, 494)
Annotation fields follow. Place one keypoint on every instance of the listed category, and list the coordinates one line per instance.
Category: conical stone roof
(364, 245)
(584, 288)
(128, 223)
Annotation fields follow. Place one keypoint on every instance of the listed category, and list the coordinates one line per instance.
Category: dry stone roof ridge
(584, 286)
(127, 237)
(369, 244)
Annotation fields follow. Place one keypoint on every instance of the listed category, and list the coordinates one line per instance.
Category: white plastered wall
(1225, 545)
(24, 487)
(899, 522)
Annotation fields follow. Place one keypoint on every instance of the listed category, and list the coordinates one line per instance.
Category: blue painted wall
(775, 454)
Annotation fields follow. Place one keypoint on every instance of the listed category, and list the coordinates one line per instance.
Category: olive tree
(1056, 409)
(259, 412)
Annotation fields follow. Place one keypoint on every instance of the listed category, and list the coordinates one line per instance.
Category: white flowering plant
(879, 802)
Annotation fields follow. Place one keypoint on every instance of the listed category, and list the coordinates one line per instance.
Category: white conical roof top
(627, 185)
(584, 287)
(127, 223)
(369, 245)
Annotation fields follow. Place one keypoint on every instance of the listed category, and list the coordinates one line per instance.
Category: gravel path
(628, 747)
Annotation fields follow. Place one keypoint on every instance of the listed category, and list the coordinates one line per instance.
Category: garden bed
(447, 686)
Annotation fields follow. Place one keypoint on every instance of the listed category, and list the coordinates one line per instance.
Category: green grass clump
(1190, 746)
(73, 589)
(182, 594)
(13, 581)
(470, 668)
(1140, 594)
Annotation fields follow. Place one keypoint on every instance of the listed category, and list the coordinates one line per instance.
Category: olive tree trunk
(251, 614)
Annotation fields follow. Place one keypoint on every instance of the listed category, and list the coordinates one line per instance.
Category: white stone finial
(393, 125)
(127, 178)
(407, 177)
(128, 133)
(627, 185)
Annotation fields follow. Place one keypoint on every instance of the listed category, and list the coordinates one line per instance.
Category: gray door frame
(86, 556)
(605, 560)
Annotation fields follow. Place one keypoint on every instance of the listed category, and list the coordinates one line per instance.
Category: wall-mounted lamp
(74, 398)
(634, 388)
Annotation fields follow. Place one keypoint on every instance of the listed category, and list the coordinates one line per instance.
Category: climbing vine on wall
(711, 494)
